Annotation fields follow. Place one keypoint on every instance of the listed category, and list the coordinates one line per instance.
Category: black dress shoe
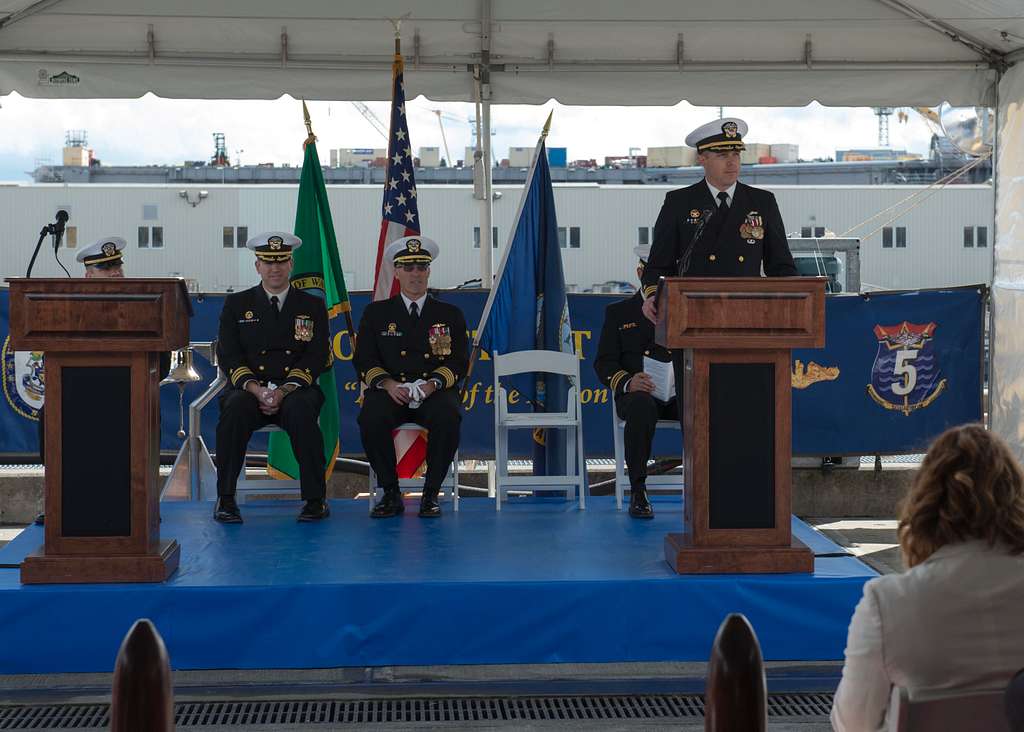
(40, 519)
(390, 505)
(639, 505)
(226, 511)
(429, 507)
(314, 510)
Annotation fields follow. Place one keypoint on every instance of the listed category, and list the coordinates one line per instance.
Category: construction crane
(442, 115)
(370, 117)
(883, 114)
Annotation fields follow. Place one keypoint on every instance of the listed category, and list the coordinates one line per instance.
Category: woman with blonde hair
(954, 621)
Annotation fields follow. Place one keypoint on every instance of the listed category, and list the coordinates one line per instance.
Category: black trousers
(439, 413)
(240, 416)
(641, 413)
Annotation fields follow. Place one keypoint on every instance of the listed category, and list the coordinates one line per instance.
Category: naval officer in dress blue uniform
(718, 227)
(411, 353)
(627, 337)
(272, 344)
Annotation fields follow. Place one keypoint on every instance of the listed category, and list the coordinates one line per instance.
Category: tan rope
(933, 188)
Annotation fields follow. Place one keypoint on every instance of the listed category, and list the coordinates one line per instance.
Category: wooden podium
(737, 334)
(102, 339)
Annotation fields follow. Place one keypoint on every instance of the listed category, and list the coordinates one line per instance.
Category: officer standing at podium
(272, 344)
(627, 337)
(718, 227)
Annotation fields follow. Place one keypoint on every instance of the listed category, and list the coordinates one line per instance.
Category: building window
(805, 232)
(887, 237)
(151, 237)
(968, 237)
(476, 237)
(643, 236)
(149, 212)
(901, 237)
(235, 237)
(819, 231)
(570, 233)
(982, 236)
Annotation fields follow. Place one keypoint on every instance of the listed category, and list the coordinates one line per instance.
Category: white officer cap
(105, 251)
(722, 134)
(274, 246)
(412, 249)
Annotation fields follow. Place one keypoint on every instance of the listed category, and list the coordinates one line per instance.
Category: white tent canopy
(773, 52)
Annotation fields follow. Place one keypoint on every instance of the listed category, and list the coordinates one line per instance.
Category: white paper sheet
(664, 377)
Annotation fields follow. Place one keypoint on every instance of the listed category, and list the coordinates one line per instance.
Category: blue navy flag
(530, 281)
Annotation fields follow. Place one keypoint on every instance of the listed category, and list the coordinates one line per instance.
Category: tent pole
(482, 154)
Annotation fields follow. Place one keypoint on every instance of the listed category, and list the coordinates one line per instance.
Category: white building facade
(940, 238)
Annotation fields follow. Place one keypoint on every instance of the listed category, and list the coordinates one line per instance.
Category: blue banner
(897, 369)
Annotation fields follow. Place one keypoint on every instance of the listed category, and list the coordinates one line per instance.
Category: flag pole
(504, 256)
(311, 138)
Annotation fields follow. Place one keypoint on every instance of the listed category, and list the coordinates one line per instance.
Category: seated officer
(103, 257)
(626, 337)
(411, 353)
(273, 343)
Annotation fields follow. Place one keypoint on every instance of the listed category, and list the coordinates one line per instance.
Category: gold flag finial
(547, 125)
(310, 137)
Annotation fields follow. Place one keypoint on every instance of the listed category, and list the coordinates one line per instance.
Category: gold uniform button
(741, 257)
(261, 368)
(263, 353)
(289, 353)
(647, 353)
(401, 353)
(712, 257)
(426, 355)
(424, 373)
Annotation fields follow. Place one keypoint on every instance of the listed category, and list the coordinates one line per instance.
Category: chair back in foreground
(736, 693)
(983, 711)
(570, 420)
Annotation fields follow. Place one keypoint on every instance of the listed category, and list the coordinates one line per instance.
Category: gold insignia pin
(275, 242)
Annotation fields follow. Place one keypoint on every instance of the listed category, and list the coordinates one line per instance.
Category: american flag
(400, 216)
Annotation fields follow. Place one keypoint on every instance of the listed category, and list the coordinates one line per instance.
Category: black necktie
(414, 310)
(276, 305)
(723, 205)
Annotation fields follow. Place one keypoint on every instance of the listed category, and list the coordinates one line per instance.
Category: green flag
(317, 269)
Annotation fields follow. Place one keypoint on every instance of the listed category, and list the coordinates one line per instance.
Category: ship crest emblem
(905, 376)
(23, 380)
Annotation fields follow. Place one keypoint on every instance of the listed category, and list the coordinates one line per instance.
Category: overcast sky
(155, 131)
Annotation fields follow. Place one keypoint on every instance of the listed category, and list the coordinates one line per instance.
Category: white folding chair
(204, 481)
(675, 482)
(571, 420)
(450, 487)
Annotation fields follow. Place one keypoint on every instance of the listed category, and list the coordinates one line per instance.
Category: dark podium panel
(102, 339)
(736, 335)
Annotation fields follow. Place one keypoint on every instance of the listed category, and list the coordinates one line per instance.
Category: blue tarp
(539, 582)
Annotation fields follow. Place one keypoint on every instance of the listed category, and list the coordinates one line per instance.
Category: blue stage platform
(539, 582)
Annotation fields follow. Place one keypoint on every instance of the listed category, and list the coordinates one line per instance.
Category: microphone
(56, 230)
(684, 260)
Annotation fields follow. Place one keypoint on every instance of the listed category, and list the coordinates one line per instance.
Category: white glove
(415, 392)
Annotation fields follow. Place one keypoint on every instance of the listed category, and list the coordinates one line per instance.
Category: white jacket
(953, 623)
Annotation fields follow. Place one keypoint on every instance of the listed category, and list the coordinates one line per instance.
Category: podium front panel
(741, 446)
(96, 477)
